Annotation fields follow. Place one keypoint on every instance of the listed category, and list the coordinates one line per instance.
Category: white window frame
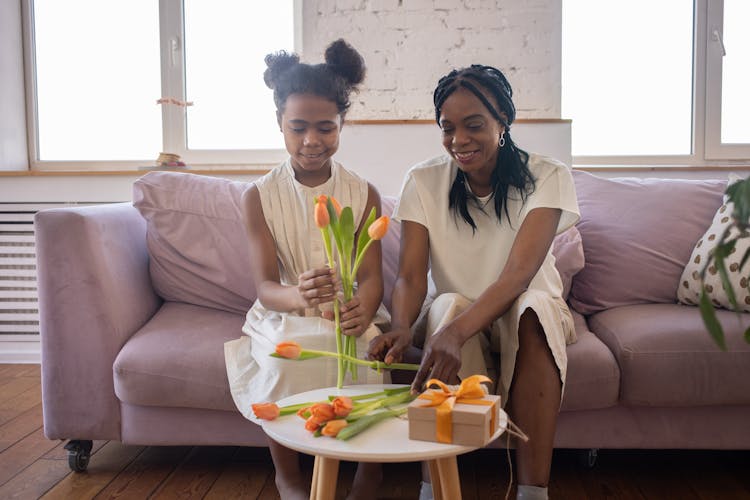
(706, 113)
(174, 118)
(715, 149)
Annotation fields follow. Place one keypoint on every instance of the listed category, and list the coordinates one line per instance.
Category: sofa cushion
(593, 379)
(196, 239)
(177, 359)
(637, 237)
(690, 287)
(667, 358)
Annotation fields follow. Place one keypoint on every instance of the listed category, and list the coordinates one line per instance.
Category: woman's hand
(441, 359)
(354, 320)
(316, 286)
(390, 346)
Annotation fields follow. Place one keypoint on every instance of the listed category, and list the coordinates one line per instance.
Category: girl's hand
(353, 320)
(441, 360)
(390, 346)
(316, 286)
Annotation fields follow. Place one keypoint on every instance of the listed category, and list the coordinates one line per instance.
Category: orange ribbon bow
(469, 392)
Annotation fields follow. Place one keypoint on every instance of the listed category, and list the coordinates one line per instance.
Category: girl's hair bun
(344, 60)
(278, 63)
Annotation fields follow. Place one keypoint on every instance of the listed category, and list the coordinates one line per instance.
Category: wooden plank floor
(32, 466)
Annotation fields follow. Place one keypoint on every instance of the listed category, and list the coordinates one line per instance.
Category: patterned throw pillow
(689, 289)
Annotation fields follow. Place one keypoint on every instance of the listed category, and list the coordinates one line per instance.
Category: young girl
(288, 260)
(483, 219)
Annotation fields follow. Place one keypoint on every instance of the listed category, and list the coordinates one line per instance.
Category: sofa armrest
(94, 293)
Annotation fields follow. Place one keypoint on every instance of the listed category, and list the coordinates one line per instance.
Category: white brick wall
(409, 44)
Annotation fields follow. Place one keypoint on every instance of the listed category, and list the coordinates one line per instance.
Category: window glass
(225, 45)
(627, 76)
(98, 79)
(735, 77)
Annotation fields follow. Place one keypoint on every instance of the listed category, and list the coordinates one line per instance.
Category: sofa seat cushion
(177, 359)
(667, 357)
(593, 379)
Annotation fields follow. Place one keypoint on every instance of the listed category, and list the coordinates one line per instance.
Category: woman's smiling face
(471, 135)
(311, 126)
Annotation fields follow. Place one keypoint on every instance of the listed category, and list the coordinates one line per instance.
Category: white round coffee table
(387, 441)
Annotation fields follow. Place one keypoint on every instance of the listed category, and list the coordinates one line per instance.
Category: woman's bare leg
(289, 480)
(534, 401)
(366, 481)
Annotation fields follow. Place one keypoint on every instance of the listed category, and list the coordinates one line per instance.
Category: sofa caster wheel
(79, 453)
(587, 458)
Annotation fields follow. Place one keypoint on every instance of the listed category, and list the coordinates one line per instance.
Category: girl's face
(311, 127)
(471, 135)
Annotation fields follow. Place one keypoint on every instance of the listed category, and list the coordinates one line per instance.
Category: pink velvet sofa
(137, 300)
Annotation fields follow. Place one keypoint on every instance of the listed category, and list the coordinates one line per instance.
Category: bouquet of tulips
(338, 224)
(342, 417)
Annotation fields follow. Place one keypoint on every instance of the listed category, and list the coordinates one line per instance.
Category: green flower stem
(393, 400)
(384, 392)
(288, 410)
(358, 260)
(366, 422)
(375, 365)
(336, 313)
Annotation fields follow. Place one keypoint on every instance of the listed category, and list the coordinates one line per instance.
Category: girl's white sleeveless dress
(254, 376)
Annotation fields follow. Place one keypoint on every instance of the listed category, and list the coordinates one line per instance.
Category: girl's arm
(408, 294)
(358, 313)
(315, 286)
(442, 356)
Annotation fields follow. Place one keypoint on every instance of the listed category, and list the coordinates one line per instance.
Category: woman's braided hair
(334, 80)
(511, 170)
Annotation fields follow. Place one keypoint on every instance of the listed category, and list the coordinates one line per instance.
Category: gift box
(470, 422)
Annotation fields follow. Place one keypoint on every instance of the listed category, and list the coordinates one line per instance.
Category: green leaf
(364, 236)
(708, 313)
(335, 224)
(747, 335)
(366, 422)
(725, 282)
(347, 231)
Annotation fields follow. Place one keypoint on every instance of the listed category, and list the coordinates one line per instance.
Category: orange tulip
(289, 350)
(312, 425)
(336, 205)
(333, 427)
(322, 412)
(342, 406)
(378, 228)
(321, 198)
(322, 219)
(304, 412)
(266, 411)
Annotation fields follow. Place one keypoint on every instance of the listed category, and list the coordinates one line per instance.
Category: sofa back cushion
(196, 239)
(637, 237)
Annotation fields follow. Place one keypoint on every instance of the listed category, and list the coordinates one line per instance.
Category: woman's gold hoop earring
(501, 143)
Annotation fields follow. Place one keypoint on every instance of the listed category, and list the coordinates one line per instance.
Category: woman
(483, 219)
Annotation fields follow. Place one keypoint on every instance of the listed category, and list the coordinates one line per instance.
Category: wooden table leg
(325, 477)
(314, 483)
(437, 489)
(450, 484)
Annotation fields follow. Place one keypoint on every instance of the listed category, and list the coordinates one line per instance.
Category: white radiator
(19, 304)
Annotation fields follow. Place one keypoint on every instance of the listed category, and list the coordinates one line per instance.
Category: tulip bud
(342, 406)
(336, 205)
(333, 427)
(322, 218)
(311, 424)
(378, 228)
(266, 411)
(289, 350)
(322, 412)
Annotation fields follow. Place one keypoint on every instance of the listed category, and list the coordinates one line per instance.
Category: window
(646, 83)
(100, 66)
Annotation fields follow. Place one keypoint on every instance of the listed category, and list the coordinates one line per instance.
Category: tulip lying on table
(343, 417)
